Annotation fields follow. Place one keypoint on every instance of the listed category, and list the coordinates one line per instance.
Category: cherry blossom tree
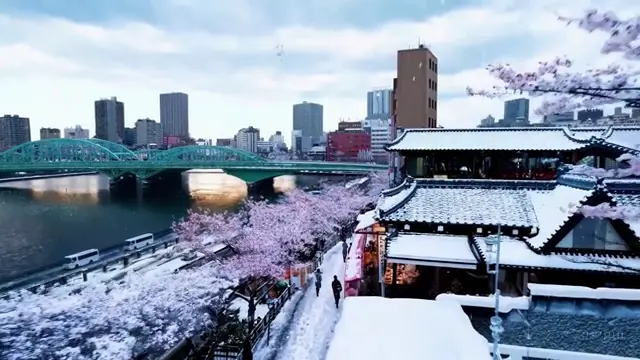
(563, 90)
(108, 321)
(205, 229)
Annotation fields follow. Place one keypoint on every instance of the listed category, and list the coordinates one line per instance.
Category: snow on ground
(315, 316)
(267, 347)
(375, 328)
(242, 304)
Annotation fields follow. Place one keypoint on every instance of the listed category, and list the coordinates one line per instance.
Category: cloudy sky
(57, 57)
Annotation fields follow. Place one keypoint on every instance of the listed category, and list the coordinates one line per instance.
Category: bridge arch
(122, 151)
(58, 150)
(203, 153)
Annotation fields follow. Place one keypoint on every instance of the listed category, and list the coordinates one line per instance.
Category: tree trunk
(252, 312)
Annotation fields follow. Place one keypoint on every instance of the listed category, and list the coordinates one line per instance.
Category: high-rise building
(590, 114)
(489, 121)
(516, 112)
(379, 130)
(14, 130)
(416, 89)
(49, 133)
(174, 114)
(76, 132)
(109, 114)
(130, 136)
(379, 104)
(247, 139)
(308, 118)
(148, 132)
(277, 140)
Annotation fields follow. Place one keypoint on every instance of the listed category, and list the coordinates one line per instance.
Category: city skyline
(100, 53)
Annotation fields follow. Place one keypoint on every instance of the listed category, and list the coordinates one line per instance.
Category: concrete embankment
(46, 176)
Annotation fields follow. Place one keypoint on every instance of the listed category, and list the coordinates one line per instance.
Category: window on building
(593, 233)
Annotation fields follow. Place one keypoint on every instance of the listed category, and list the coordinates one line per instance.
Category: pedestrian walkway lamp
(493, 258)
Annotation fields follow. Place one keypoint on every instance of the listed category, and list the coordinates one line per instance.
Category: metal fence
(262, 328)
(30, 280)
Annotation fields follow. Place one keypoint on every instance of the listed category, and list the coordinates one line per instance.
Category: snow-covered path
(312, 326)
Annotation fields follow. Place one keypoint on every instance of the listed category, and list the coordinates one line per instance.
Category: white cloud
(52, 69)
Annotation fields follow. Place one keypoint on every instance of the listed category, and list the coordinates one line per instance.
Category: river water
(44, 220)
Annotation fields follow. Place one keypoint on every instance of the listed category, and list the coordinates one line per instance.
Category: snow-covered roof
(517, 139)
(581, 292)
(516, 253)
(551, 209)
(507, 303)
(434, 249)
(366, 220)
(485, 139)
(629, 200)
(415, 330)
(461, 205)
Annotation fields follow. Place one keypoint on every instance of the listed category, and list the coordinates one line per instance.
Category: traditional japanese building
(508, 153)
(463, 187)
(441, 227)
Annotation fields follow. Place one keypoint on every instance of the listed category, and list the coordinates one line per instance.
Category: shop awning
(432, 250)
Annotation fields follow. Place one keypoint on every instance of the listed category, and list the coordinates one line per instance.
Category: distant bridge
(115, 160)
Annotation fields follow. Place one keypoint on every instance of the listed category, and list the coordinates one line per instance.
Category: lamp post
(493, 250)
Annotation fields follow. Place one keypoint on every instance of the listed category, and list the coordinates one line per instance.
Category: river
(44, 220)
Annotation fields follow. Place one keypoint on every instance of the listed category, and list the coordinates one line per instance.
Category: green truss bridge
(115, 160)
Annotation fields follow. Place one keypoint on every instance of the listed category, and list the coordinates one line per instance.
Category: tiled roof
(466, 206)
(520, 139)
(516, 253)
(485, 139)
(552, 210)
(628, 136)
(629, 199)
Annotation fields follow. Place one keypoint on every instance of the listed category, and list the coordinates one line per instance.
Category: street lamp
(493, 252)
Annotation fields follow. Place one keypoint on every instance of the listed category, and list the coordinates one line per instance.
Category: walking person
(318, 275)
(336, 286)
(345, 250)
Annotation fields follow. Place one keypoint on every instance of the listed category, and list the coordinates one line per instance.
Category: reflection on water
(45, 219)
(216, 191)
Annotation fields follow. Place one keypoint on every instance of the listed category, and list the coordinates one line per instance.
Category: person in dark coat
(345, 250)
(318, 276)
(247, 351)
(336, 286)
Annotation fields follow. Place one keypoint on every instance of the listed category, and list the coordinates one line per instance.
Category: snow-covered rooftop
(520, 139)
(581, 292)
(375, 328)
(455, 205)
(516, 253)
(507, 303)
(551, 210)
(431, 248)
(366, 220)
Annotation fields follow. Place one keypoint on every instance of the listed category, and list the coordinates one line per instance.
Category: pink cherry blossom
(604, 210)
(564, 90)
(631, 168)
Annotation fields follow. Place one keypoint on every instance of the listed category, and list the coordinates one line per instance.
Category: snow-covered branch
(108, 321)
(629, 166)
(566, 90)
